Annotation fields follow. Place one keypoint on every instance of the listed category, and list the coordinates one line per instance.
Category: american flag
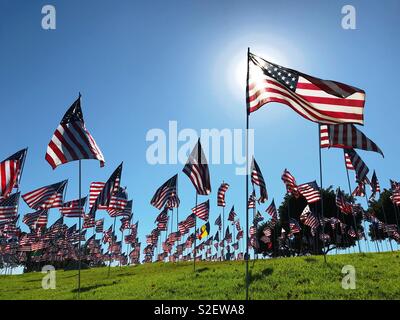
(258, 218)
(10, 171)
(46, 197)
(164, 193)
(375, 187)
(125, 223)
(232, 214)
(88, 221)
(258, 179)
(118, 203)
(312, 221)
(294, 226)
(109, 188)
(346, 136)
(94, 191)
(36, 220)
(228, 235)
(352, 233)
(252, 201)
(107, 235)
(162, 220)
(99, 226)
(221, 194)
(318, 100)
(182, 227)
(359, 191)
(310, 191)
(347, 161)
(359, 166)
(173, 202)
(342, 203)
(190, 221)
(74, 208)
(9, 207)
(218, 222)
(202, 210)
(271, 210)
(290, 182)
(196, 169)
(71, 140)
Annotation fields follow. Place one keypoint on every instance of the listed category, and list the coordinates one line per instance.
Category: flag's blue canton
(283, 75)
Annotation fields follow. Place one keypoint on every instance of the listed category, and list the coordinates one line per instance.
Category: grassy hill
(378, 277)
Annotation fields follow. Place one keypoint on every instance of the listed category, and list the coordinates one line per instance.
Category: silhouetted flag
(232, 214)
(165, 192)
(202, 210)
(221, 194)
(100, 226)
(346, 136)
(342, 203)
(271, 210)
(375, 187)
(258, 179)
(110, 187)
(196, 169)
(359, 166)
(47, 197)
(71, 140)
(310, 191)
(10, 172)
(322, 101)
(9, 207)
(74, 208)
(218, 222)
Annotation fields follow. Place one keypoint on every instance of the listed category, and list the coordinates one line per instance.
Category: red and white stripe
(202, 210)
(46, 197)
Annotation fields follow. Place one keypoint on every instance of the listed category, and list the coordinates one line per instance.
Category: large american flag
(71, 140)
(359, 166)
(258, 179)
(310, 191)
(47, 197)
(10, 172)
(318, 100)
(346, 136)
(202, 210)
(74, 208)
(221, 194)
(164, 193)
(9, 207)
(196, 168)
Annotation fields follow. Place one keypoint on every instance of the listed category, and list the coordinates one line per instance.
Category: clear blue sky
(140, 64)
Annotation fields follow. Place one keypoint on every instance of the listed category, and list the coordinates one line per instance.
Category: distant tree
(385, 211)
(304, 242)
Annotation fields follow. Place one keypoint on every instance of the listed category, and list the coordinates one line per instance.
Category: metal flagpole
(247, 181)
(80, 228)
(112, 244)
(354, 218)
(195, 236)
(322, 198)
(222, 239)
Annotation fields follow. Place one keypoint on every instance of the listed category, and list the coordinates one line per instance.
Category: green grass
(378, 277)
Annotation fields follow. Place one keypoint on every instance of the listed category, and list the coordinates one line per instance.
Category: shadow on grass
(260, 275)
(200, 270)
(89, 288)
